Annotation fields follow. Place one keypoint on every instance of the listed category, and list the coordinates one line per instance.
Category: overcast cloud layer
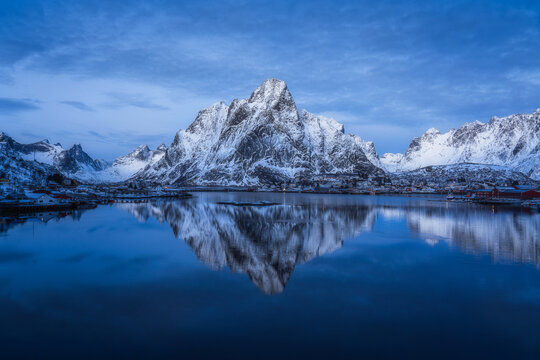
(113, 75)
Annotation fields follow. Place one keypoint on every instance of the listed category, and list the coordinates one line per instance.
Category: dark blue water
(316, 277)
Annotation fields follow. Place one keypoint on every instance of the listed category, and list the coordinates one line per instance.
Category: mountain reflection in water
(506, 235)
(268, 242)
(264, 242)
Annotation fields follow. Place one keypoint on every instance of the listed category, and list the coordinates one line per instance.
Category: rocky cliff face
(261, 140)
(74, 160)
(512, 141)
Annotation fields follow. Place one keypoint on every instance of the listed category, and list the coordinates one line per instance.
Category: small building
(42, 199)
(70, 182)
(4, 186)
(530, 194)
(524, 187)
(46, 199)
(506, 193)
(16, 196)
(482, 193)
(62, 198)
(41, 191)
(53, 185)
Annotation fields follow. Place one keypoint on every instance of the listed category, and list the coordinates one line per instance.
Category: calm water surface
(317, 276)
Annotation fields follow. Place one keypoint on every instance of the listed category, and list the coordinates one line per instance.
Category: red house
(530, 194)
(506, 193)
(62, 198)
(41, 191)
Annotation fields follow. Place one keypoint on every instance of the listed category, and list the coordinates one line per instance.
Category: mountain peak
(261, 140)
(469, 125)
(432, 131)
(76, 151)
(142, 147)
(142, 152)
(271, 90)
(75, 147)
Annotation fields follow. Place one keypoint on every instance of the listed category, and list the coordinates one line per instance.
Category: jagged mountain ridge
(261, 140)
(512, 141)
(70, 160)
(35, 161)
(74, 162)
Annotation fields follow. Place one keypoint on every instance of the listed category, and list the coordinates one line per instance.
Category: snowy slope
(41, 151)
(126, 166)
(391, 162)
(512, 141)
(260, 140)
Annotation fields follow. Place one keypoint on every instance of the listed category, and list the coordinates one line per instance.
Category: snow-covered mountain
(43, 158)
(261, 140)
(126, 166)
(267, 140)
(512, 141)
(18, 170)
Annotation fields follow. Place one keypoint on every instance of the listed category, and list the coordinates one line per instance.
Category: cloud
(135, 100)
(78, 105)
(98, 135)
(129, 139)
(411, 63)
(529, 76)
(10, 105)
(343, 117)
(5, 77)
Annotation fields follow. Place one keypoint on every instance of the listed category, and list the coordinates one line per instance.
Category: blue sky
(113, 75)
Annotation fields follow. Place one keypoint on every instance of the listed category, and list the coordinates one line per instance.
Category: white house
(42, 199)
